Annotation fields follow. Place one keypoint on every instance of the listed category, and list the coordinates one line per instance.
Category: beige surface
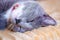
(52, 7)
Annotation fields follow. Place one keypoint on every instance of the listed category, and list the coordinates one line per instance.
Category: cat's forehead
(27, 7)
(28, 3)
(24, 6)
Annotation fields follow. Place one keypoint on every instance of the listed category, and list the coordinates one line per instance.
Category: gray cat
(28, 15)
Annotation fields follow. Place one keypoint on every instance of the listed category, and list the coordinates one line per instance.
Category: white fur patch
(16, 13)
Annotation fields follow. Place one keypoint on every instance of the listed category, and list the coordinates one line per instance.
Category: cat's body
(27, 16)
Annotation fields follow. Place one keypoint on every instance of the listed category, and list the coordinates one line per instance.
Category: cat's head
(16, 13)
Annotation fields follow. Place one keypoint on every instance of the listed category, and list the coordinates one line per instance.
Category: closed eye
(30, 21)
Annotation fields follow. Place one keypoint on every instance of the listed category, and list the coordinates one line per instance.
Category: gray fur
(33, 17)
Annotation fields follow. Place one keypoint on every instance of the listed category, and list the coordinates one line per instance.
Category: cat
(28, 15)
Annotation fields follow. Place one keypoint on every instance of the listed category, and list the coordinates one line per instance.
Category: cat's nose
(18, 21)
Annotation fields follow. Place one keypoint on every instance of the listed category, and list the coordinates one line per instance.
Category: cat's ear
(15, 6)
(47, 20)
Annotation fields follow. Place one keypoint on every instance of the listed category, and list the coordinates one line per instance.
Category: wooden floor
(52, 7)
